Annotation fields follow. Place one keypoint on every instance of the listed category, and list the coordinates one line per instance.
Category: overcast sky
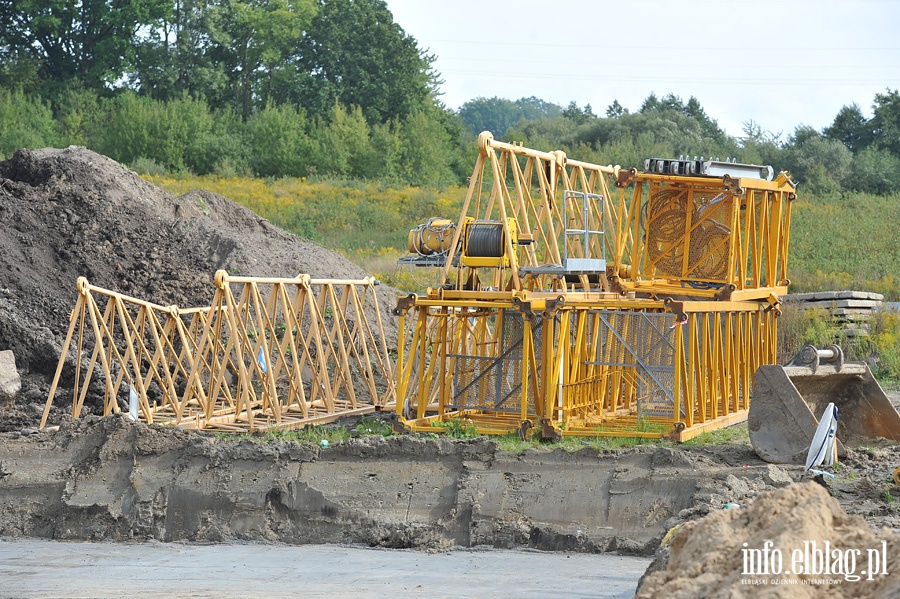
(778, 63)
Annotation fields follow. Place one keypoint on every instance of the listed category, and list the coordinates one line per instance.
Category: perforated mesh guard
(495, 382)
(678, 224)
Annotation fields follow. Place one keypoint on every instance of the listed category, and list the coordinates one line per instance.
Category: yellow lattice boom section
(268, 353)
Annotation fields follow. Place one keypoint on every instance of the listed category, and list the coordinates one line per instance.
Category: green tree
(761, 147)
(345, 148)
(886, 121)
(850, 128)
(426, 156)
(279, 142)
(490, 114)
(533, 108)
(615, 110)
(178, 134)
(821, 163)
(177, 54)
(876, 171)
(355, 54)
(260, 38)
(79, 114)
(87, 40)
(497, 115)
(579, 115)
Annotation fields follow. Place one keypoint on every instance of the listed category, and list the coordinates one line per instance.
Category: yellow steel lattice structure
(618, 368)
(268, 353)
(521, 192)
(712, 237)
(642, 314)
(547, 222)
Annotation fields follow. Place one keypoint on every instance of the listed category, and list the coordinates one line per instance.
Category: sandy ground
(36, 568)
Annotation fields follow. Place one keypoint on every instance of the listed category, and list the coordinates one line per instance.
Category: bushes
(184, 135)
(179, 134)
(278, 143)
(816, 326)
(876, 171)
(25, 122)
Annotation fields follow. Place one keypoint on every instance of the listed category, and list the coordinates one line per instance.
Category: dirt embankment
(70, 213)
(115, 480)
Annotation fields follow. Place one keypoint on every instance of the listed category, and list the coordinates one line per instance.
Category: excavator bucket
(787, 401)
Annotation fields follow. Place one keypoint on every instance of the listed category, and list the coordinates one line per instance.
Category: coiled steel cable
(485, 241)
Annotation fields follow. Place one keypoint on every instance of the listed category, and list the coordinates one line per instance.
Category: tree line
(263, 87)
(337, 89)
(854, 153)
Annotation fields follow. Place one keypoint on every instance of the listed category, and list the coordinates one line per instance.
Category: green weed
(374, 426)
(457, 428)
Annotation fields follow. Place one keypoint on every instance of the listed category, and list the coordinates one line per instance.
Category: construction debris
(852, 311)
(10, 383)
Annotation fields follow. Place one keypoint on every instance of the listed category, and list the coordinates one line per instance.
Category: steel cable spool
(485, 241)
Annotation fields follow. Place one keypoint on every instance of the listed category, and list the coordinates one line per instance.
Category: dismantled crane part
(431, 238)
(788, 400)
(268, 353)
(710, 168)
(579, 312)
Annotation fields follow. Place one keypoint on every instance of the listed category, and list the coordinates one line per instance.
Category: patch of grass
(623, 442)
(457, 428)
(722, 436)
(374, 426)
(514, 443)
(309, 434)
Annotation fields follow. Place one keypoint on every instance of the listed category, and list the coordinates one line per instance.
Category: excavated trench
(110, 479)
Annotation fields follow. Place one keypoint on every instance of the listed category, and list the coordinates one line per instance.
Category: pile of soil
(711, 557)
(72, 212)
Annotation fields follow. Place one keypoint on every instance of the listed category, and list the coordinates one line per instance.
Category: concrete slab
(833, 295)
(841, 303)
(43, 569)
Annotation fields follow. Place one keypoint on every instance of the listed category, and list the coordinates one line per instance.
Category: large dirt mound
(72, 212)
(711, 557)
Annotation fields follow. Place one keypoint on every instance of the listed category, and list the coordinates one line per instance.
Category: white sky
(778, 63)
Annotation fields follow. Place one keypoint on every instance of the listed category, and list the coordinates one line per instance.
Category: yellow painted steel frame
(511, 183)
(702, 236)
(664, 235)
(581, 366)
(533, 344)
(268, 353)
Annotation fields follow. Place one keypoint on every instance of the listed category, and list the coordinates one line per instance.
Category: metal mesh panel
(710, 237)
(494, 382)
(642, 343)
(688, 236)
